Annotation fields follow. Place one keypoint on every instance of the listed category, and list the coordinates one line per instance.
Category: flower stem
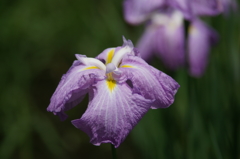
(114, 152)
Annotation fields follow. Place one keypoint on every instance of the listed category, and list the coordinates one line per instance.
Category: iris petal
(200, 39)
(73, 87)
(111, 116)
(150, 82)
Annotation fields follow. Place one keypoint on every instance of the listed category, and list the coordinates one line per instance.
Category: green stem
(114, 152)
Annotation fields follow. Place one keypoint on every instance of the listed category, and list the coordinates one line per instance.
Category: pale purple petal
(137, 11)
(149, 82)
(72, 88)
(200, 39)
(110, 116)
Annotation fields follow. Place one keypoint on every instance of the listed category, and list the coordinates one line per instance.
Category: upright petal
(200, 39)
(137, 11)
(111, 115)
(149, 82)
(114, 55)
(72, 87)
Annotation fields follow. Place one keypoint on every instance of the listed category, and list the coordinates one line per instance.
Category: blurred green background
(38, 40)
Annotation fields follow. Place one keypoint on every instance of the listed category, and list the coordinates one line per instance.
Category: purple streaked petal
(149, 82)
(200, 39)
(138, 11)
(110, 116)
(73, 87)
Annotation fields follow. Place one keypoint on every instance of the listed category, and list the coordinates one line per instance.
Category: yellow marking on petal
(127, 66)
(111, 83)
(110, 56)
(91, 67)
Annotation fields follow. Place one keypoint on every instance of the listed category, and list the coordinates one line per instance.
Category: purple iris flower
(165, 35)
(122, 87)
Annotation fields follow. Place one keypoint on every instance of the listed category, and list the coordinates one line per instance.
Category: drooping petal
(111, 114)
(200, 39)
(73, 87)
(171, 41)
(149, 82)
(137, 11)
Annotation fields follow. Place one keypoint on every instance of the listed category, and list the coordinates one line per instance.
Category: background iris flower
(122, 87)
(165, 31)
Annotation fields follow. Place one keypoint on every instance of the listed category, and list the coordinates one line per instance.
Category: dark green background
(38, 40)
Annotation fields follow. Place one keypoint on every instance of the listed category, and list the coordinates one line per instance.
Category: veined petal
(149, 82)
(137, 11)
(110, 116)
(200, 39)
(73, 86)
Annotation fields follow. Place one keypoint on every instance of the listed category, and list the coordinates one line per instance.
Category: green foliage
(38, 40)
